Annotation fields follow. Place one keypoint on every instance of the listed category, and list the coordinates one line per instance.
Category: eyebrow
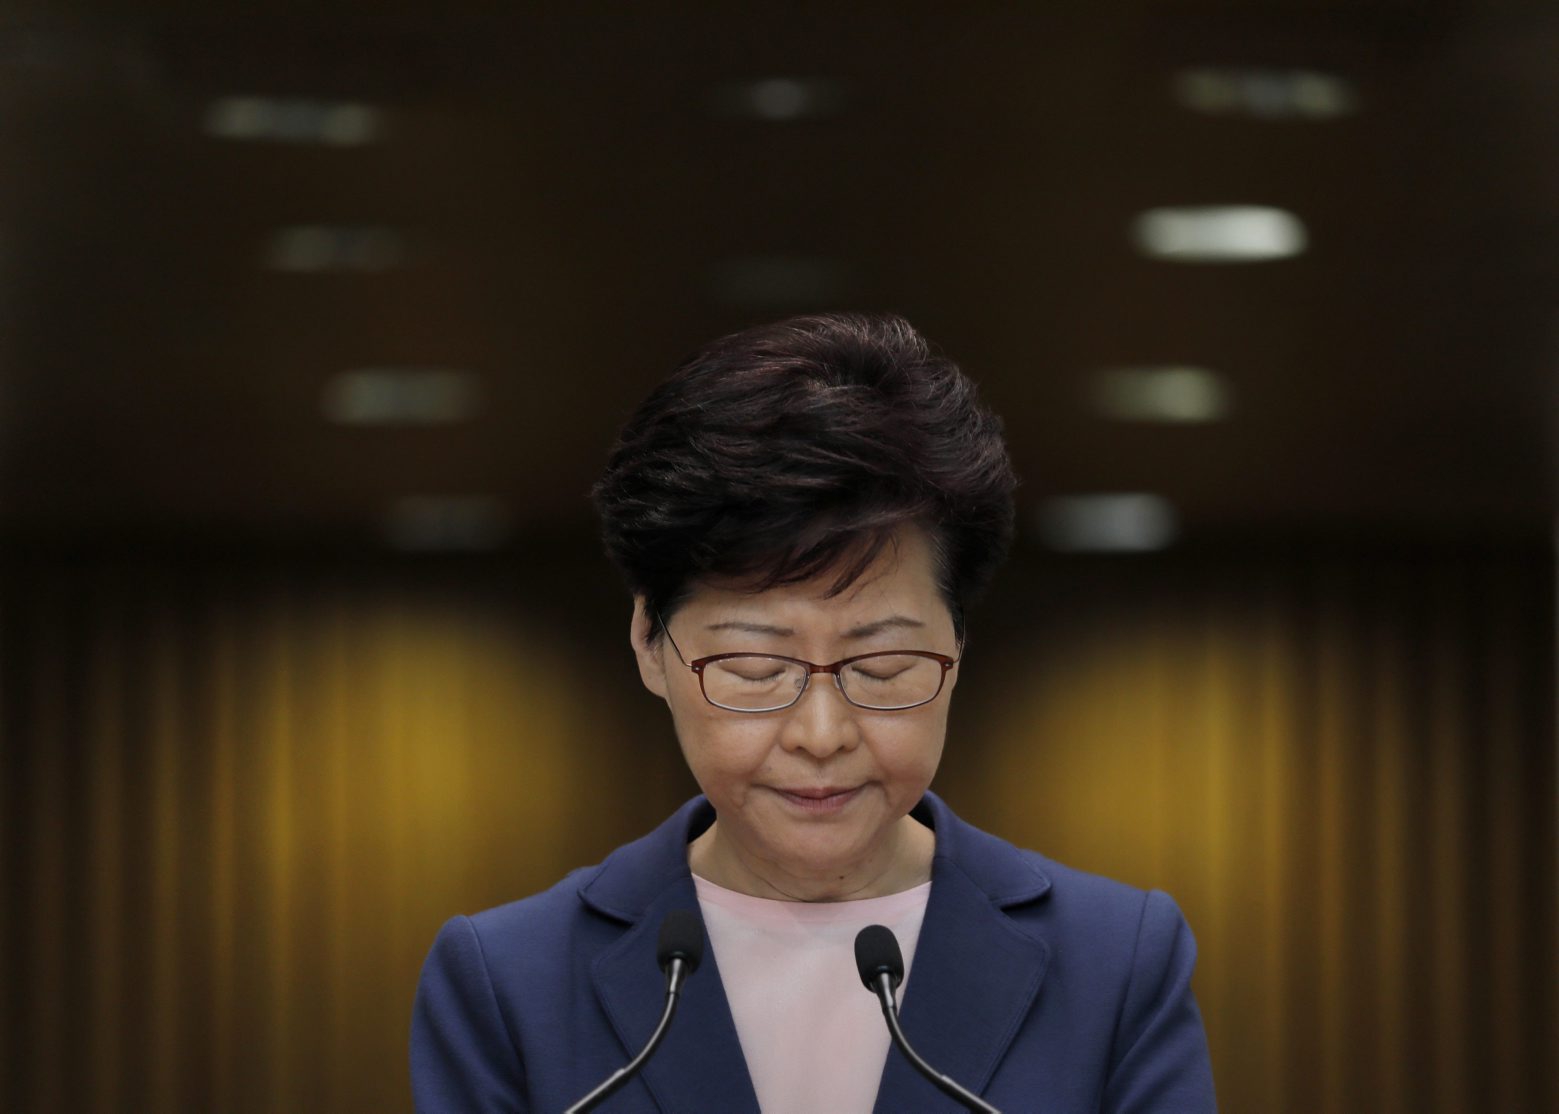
(865, 630)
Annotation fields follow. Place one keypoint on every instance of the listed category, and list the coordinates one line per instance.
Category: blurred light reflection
(779, 98)
(456, 523)
(787, 281)
(312, 247)
(1265, 94)
(268, 119)
(1159, 394)
(1114, 523)
(1219, 233)
(401, 396)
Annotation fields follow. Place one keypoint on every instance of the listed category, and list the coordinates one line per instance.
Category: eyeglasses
(888, 681)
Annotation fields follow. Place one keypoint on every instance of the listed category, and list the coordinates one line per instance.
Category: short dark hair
(775, 454)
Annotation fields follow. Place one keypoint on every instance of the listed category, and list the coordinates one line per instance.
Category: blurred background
(316, 323)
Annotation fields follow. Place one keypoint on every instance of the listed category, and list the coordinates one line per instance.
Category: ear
(652, 665)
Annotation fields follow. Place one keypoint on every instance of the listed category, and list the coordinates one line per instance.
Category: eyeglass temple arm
(667, 632)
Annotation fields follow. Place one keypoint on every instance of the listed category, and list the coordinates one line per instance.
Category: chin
(826, 850)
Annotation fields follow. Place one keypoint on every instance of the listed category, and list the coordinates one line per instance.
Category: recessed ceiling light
(318, 247)
(400, 396)
(293, 120)
(427, 523)
(780, 280)
(1115, 523)
(1159, 394)
(1266, 94)
(778, 98)
(1219, 233)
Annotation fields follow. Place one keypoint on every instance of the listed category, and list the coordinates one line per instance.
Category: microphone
(678, 953)
(881, 965)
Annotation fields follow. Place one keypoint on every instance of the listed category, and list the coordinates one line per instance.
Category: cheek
(719, 748)
(910, 752)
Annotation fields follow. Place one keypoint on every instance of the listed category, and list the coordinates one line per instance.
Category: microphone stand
(676, 974)
(883, 985)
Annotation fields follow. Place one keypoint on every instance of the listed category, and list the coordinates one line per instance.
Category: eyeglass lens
(755, 683)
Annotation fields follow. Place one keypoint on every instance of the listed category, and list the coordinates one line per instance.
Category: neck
(903, 863)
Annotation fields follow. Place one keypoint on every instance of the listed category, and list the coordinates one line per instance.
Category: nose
(822, 722)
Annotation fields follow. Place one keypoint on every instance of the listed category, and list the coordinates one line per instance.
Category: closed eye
(874, 676)
(756, 672)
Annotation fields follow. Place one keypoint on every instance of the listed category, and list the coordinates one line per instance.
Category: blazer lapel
(698, 1068)
(974, 975)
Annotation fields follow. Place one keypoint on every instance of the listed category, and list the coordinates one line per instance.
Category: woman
(802, 513)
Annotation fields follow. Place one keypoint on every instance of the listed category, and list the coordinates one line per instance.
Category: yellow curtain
(238, 799)
(1342, 766)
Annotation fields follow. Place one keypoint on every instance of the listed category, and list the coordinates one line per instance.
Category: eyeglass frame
(697, 666)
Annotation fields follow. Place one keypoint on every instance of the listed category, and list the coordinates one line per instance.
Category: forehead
(901, 579)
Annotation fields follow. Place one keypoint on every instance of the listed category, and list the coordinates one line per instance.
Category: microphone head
(877, 953)
(681, 937)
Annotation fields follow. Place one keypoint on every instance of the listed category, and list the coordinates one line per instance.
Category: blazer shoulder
(589, 907)
(1110, 914)
(1043, 895)
(536, 923)
(1083, 886)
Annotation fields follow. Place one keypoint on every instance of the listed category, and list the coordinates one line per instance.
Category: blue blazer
(1036, 986)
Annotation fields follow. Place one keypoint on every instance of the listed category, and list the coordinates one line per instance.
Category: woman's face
(815, 791)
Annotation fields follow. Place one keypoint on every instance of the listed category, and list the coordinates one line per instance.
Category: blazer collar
(975, 975)
(699, 1066)
(976, 972)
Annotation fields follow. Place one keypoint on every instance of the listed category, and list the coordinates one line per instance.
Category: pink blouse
(812, 1035)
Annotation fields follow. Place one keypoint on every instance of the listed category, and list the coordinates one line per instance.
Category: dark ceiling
(578, 207)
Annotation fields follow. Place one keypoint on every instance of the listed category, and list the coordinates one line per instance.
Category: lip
(820, 801)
